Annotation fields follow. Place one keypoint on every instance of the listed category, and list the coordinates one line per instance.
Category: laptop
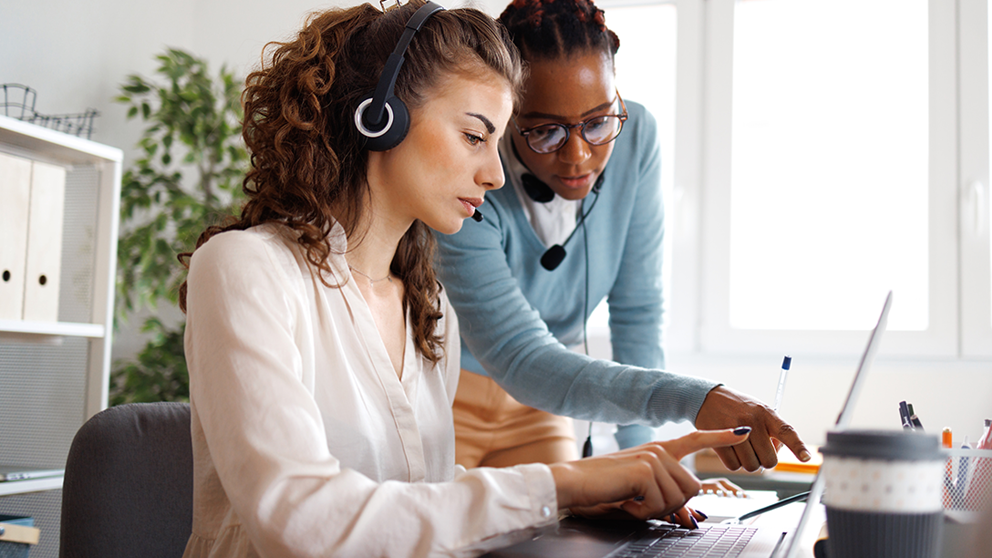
(591, 538)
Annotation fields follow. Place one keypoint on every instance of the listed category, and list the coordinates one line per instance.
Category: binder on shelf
(44, 255)
(15, 189)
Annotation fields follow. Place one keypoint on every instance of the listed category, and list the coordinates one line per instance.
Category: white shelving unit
(28, 486)
(55, 375)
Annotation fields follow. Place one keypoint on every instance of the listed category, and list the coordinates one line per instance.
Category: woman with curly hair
(582, 166)
(323, 353)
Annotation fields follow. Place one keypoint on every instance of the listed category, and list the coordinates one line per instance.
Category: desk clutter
(899, 484)
(967, 482)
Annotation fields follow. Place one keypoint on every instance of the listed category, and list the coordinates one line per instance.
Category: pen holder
(967, 479)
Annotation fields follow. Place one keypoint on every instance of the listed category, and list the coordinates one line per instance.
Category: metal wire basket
(19, 100)
(967, 479)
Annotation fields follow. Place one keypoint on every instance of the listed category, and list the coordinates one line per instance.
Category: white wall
(76, 53)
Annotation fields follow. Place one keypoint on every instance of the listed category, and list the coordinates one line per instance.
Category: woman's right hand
(644, 482)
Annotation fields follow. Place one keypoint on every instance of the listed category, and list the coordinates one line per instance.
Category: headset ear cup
(389, 136)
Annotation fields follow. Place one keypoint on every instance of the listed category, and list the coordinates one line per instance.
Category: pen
(786, 364)
(982, 491)
(907, 423)
(985, 442)
(946, 440)
(913, 418)
(785, 501)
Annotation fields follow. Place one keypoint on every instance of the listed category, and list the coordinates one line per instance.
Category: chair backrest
(128, 488)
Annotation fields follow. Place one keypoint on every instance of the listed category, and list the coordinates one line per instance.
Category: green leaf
(188, 177)
(136, 87)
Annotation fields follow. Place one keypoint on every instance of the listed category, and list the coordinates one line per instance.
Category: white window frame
(976, 294)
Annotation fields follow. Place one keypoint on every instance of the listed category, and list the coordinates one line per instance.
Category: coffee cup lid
(882, 444)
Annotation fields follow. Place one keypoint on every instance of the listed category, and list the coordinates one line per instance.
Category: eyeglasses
(598, 130)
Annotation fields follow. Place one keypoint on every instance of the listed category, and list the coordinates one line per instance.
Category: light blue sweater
(512, 312)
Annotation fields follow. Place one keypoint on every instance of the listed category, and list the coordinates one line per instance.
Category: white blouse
(306, 442)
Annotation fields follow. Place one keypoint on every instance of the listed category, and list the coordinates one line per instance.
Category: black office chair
(128, 487)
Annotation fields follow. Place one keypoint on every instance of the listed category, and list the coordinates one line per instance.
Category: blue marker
(786, 364)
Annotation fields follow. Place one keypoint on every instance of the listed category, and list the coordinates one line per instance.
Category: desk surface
(785, 484)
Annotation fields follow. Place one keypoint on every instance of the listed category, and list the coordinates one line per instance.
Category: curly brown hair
(308, 162)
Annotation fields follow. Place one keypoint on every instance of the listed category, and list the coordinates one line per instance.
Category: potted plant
(188, 176)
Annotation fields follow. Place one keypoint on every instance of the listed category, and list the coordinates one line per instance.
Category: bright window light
(830, 164)
(645, 66)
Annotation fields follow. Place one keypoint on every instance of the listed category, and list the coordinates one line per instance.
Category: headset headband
(372, 117)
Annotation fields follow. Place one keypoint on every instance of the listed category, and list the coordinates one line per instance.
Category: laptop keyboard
(714, 541)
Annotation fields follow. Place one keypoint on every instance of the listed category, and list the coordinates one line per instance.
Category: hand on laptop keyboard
(643, 482)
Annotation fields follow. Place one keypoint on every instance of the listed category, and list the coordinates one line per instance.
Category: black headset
(542, 193)
(381, 117)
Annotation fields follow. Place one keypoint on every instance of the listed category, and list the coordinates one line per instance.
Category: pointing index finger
(702, 439)
(785, 433)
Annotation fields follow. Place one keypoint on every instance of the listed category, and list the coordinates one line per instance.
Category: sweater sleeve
(267, 442)
(506, 334)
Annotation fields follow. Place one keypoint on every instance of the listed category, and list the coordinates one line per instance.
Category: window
(828, 175)
(827, 160)
(822, 153)
(647, 40)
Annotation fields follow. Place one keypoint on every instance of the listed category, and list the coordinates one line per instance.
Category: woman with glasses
(579, 220)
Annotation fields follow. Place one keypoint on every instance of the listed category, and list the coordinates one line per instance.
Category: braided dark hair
(552, 29)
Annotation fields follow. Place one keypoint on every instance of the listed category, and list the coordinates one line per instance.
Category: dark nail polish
(695, 524)
(705, 517)
(638, 498)
(742, 430)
